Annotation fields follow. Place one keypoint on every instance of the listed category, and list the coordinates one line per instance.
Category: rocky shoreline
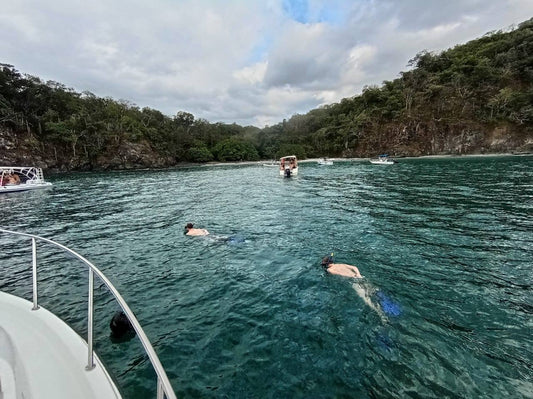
(23, 149)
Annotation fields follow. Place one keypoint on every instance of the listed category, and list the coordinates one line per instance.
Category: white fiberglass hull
(380, 162)
(42, 357)
(24, 187)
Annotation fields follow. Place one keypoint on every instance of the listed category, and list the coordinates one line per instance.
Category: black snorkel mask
(327, 260)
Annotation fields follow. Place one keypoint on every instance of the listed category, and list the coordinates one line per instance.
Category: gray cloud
(305, 56)
(236, 61)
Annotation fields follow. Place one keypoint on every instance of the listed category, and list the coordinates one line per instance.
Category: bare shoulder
(197, 232)
(344, 266)
(343, 269)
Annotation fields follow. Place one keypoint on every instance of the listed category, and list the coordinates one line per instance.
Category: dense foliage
(446, 103)
(458, 95)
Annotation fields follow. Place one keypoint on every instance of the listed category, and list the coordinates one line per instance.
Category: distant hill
(471, 99)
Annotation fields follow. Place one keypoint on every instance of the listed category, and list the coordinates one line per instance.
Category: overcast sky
(253, 62)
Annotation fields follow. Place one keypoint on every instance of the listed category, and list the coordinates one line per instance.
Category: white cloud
(359, 58)
(253, 74)
(249, 62)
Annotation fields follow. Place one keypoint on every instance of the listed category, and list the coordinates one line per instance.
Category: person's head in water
(190, 230)
(327, 260)
(188, 226)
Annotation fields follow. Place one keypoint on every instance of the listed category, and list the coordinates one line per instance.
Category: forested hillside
(473, 98)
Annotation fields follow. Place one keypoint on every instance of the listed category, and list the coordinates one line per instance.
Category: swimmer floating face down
(341, 269)
(191, 231)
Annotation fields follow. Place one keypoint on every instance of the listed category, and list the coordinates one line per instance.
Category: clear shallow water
(449, 240)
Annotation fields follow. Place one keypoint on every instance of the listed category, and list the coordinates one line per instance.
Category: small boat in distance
(21, 178)
(383, 159)
(271, 164)
(288, 166)
(324, 161)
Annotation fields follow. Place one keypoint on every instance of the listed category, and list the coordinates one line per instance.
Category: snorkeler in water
(373, 297)
(230, 240)
(191, 231)
(342, 269)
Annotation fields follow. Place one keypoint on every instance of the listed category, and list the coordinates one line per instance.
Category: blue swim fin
(388, 305)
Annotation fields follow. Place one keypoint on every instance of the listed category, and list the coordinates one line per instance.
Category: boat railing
(29, 173)
(164, 388)
(39, 174)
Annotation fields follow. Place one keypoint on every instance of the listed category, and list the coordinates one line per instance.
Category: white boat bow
(42, 357)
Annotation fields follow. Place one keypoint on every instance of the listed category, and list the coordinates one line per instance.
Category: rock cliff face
(461, 139)
(133, 156)
(422, 138)
(24, 149)
(20, 150)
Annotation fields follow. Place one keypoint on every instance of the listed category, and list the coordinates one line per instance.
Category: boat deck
(42, 357)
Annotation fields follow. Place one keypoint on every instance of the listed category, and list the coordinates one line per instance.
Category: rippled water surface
(448, 241)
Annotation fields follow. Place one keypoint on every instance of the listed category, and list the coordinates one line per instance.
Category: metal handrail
(164, 389)
(30, 173)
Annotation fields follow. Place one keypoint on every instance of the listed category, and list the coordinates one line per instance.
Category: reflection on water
(447, 241)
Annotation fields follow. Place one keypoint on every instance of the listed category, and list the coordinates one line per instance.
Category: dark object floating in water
(120, 325)
(236, 239)
(388, 306)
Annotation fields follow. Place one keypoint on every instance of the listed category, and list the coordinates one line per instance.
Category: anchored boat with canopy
(288, 166)
(21, 178)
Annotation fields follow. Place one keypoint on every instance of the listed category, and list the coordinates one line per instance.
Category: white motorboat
(21, 178)
(42, 357)
(325, 162)
(271, 164)
(288, 166)
(382, 160)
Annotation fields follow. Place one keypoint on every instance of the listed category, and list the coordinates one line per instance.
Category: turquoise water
(449, 241)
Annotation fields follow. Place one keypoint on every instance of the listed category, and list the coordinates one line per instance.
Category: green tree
(235, 150)
(291, 149)
(199, 154)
